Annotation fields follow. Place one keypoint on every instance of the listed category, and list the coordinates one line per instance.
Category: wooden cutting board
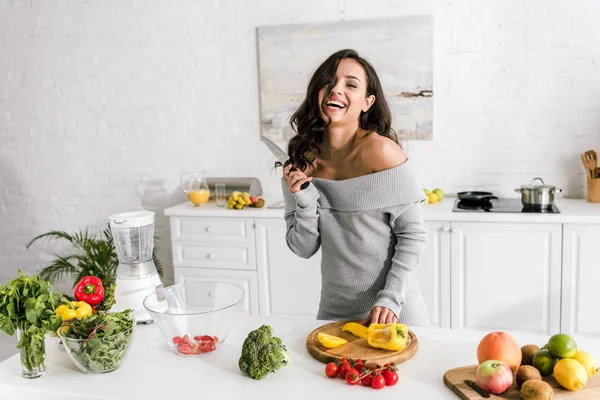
(356, 347)
(454, 379)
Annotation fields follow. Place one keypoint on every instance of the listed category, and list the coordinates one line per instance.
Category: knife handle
(288, 162)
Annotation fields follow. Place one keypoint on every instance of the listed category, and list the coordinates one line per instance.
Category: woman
(362, 203)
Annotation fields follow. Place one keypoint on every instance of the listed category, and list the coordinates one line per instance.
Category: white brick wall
(98, 96)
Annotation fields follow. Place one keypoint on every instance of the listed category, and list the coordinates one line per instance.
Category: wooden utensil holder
(593, 190)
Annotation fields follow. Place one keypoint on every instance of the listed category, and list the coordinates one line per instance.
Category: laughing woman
(362, 203)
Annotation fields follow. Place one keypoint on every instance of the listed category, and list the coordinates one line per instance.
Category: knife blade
(281, 156)
(473, 385)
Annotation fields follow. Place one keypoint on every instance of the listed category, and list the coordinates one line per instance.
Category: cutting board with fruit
(455, 380)
(356, 347)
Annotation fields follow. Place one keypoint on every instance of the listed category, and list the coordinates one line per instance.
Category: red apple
(494, 376)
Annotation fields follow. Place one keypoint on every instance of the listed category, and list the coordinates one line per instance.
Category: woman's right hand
(295, 178)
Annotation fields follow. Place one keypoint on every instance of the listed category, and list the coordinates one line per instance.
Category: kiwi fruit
(527, 353)
(527, 373)
(536, 390)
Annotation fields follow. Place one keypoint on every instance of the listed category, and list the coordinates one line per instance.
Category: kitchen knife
(473, 385)
(281, 156)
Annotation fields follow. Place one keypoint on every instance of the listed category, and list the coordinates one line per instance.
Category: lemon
(330, 341)
(432, 198)
(570, 374)
(587, 361)
(562, 345)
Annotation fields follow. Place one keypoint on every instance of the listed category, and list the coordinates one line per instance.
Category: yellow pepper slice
(330, 341)
(388, 336)
(356, 329)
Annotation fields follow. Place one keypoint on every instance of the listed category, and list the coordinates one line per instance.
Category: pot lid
(533, 185)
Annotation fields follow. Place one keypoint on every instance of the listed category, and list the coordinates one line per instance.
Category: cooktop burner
(501, 206)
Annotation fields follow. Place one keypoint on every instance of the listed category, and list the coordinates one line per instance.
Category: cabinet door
(433, 273)
(244, 279)
(581, 275)
(289, 286)
(506, 276)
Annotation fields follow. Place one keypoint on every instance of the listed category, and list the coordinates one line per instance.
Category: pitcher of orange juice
(194, 184)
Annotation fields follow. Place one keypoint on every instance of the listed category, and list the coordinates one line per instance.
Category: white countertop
(571, 211)
(154, 371)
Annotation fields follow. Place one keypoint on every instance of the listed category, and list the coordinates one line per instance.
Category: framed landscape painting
(400, 49)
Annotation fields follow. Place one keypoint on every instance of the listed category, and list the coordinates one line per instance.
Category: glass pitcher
(194, 184)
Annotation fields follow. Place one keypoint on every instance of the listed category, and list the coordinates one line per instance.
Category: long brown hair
(308, 123)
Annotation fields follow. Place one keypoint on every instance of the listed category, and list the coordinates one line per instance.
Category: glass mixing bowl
(195, 317)
(99, 355)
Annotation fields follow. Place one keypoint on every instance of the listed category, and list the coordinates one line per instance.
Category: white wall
(98, 96)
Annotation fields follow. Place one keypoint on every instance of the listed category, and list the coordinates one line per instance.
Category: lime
(440, 194)
(562, 345)
(544, 362)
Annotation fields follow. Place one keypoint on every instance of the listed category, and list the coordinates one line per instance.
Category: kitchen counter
(153, 371)
(572, 211)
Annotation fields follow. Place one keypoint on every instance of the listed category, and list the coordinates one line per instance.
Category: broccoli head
(262, 353)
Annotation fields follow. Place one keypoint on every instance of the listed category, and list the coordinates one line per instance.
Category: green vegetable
(29, 304)
(109, 298)
(262, 353)
(104, 340)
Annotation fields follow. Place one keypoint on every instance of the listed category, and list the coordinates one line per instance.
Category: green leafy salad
(103, 340)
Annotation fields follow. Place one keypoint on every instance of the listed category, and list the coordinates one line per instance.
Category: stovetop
(501, 206)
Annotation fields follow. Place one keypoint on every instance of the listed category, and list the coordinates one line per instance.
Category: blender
(133, 235)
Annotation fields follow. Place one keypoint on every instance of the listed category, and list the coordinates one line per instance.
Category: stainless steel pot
(537, 195)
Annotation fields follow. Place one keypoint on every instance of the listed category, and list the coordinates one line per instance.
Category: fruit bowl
(195, 317)
(99, 354)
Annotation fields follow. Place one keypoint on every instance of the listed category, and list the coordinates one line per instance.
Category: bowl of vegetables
(99, 343)
(195, 317)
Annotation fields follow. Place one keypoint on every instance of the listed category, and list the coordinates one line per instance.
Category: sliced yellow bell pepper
(66, 313)
(388, 336)
(356, 329)
(330, 341)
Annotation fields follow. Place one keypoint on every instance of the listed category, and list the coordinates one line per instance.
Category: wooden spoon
(592, 159)
(588, 170)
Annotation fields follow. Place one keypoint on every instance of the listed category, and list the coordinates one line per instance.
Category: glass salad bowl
(99, 355)
(195, 317)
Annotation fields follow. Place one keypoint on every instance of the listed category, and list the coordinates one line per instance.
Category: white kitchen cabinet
(506, 276)
(433, 273)
(580, 279)
(289, 286)
(244, 279)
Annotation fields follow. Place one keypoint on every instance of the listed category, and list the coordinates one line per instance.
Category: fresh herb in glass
(27, 306)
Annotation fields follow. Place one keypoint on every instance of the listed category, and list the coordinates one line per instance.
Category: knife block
(593, 190)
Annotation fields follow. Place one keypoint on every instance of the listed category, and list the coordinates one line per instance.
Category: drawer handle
(208, 229)
(210, 256)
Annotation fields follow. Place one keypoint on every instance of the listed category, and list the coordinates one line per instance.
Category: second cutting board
(356, 347)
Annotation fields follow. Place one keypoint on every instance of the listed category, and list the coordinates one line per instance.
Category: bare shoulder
(379, 153)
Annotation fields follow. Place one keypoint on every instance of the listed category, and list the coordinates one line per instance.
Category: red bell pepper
(90, 290)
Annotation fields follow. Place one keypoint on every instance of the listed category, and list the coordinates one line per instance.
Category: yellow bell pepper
(388, 336)
(356, 329)
(66, 313)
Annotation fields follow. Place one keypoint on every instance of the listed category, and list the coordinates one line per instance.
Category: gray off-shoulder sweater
(371, 234)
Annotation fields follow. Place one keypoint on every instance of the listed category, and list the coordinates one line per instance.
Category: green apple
(439, 193)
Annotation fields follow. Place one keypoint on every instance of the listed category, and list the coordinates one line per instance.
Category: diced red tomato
(185, 348)
(206, 347)
(176, 339)
(215, 339)
(185, 339)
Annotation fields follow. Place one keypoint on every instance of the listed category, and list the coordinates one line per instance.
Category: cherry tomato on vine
(332, 370)
(352, 376)
(390, 377)
(377, 381)
(344, 368)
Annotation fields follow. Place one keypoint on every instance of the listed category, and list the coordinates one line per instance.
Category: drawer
(214, 255)
(245, 279)
(209, 229)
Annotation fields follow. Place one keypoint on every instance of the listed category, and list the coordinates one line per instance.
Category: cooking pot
(537, 195)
